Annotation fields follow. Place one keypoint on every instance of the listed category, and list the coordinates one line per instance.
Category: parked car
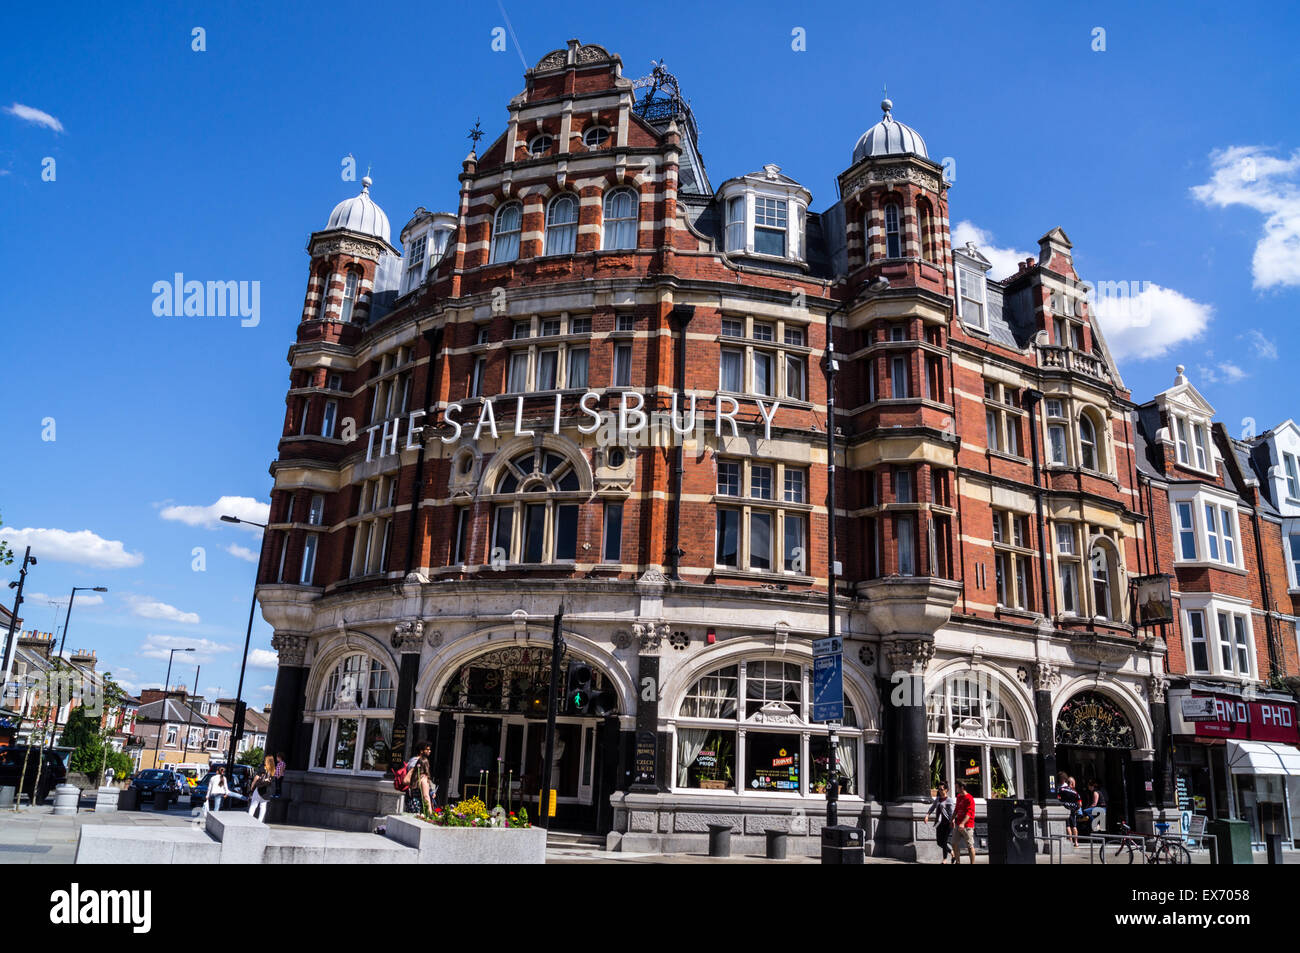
(152, 780)
(236, 780)
(11, 768)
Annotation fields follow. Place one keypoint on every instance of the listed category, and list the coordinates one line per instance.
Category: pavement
(35, 836)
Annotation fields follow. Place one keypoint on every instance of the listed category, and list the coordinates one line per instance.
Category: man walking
(279, 774)
(963, 824)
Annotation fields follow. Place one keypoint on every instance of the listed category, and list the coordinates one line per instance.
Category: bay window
(354, 718)
(1219, 636)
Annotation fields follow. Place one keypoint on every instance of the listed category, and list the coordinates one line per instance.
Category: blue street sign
(828, 688)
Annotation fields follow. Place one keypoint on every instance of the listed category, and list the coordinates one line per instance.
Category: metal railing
(1142, 846)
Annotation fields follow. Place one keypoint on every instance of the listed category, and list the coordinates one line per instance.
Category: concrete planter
(468, 845)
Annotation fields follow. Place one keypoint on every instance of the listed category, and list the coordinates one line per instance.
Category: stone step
(574, 839)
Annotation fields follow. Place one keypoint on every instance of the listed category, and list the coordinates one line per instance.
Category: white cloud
(147, 608)
(1006, 261)
(79, 546)
(30, 114)
(1261, 345)
(83, 599)
(209, 517)
(263, 658)
(242, 552)
(1223, 373)
(1249, 176)
(1149, 323)
(160, 646)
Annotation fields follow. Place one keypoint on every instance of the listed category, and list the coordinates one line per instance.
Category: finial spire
(885, 104)
(476, 134)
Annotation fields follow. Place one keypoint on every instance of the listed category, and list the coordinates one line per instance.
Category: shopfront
(1237, 757)
(1095, 742)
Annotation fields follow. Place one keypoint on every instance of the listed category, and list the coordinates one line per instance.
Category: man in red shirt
(963, 825)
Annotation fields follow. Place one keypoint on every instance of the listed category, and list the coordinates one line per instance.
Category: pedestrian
(942, 807)
(419, 775)
(1069, 798)
(217, 791)
(261, 787)
(1094, 801)
(963, 820)
(279, 774)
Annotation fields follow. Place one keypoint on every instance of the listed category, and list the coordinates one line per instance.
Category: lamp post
(162, 722)
(68, 617)
(237, 728)
(28, 560)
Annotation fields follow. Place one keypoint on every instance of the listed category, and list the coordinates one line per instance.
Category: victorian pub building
(599, 383)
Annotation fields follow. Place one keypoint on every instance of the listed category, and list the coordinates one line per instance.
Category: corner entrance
(1095, 742)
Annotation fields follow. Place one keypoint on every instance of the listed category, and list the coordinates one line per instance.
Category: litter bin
(777, 845)
(843, 844)
(1011, 831)
(719, 840)
(1231, 840)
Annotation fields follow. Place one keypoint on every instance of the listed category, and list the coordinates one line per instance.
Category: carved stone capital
(650, 635)
(911, 655)
(1157, 685)
(292, 648)
(1046, 676)
(408, 636)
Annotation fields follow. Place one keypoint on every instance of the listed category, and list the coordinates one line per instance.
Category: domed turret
(361, 214)
(889, 137)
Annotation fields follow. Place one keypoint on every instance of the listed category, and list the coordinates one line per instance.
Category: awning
(1263, 757)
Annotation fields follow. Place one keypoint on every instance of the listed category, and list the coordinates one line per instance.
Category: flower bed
(472, 812)
(460, 837)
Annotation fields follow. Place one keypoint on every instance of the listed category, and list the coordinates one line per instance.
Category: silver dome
(889, 137)
(361, 214)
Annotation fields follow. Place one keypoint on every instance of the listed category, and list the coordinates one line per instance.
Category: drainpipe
(682, 314)
(433, 338)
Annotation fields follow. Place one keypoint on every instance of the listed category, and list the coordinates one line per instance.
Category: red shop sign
(1247, 720)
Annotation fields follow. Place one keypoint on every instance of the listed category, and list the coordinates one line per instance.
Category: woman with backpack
(419, 783)
(261, 789)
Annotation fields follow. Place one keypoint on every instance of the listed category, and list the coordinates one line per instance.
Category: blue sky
(1170, 158)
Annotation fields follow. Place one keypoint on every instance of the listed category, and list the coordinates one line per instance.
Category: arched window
(323, 290)
(1103, 568)
(1088, 450)
(505, 232)
(540, 145)
(768, 742)
(893, 233)
(349, 295)
(541, 524)
(972, 736)
(562, 225)
(925, 222)
(620, 219)
(595, 137)
(354, 718)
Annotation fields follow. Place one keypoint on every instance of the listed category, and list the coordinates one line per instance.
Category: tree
(6, 554)
(80, 729)
(252, 757)
(91, 733)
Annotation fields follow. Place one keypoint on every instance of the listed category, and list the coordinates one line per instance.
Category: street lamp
(162, 722)
(68, 617)
(28, 560)
(237, 727)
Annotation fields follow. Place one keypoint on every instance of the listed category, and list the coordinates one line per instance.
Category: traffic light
(580, 688)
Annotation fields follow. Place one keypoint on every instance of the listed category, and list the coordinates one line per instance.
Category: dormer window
(540, 145)
(736, 224)
(415, 262)
(893, 233)
(971, 298)
(770, 226)
(1191, 444)
(595, 137)
(1292, 483)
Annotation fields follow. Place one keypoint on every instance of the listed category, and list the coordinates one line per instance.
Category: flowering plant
(472, 812)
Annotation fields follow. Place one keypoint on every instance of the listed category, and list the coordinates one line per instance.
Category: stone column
(906, 735)
(286, 732)
(1158, 685)
(408, 639)
(1046, 677)
(650, 748)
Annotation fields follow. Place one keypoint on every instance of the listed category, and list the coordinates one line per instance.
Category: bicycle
(1158, 848)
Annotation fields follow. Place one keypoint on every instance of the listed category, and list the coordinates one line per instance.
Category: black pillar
(286, 731)
(443, 748)
(910, 741)
(1162, 769)
(1046, 747)
(650, 752)
(406, 677)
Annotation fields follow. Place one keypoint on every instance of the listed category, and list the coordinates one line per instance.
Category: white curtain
(713, 700)
(690, 742)
(1007, 765)
(846, 751)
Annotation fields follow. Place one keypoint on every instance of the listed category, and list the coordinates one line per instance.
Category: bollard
(777, 845)
(106, 800)
(66, 798)
(719, 840)
(7, 795)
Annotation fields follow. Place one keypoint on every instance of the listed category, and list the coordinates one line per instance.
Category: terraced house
(600, 382)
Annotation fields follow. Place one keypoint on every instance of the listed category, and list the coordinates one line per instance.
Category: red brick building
(601, 383)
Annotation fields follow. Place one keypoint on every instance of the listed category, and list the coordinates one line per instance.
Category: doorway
(1109, 768)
